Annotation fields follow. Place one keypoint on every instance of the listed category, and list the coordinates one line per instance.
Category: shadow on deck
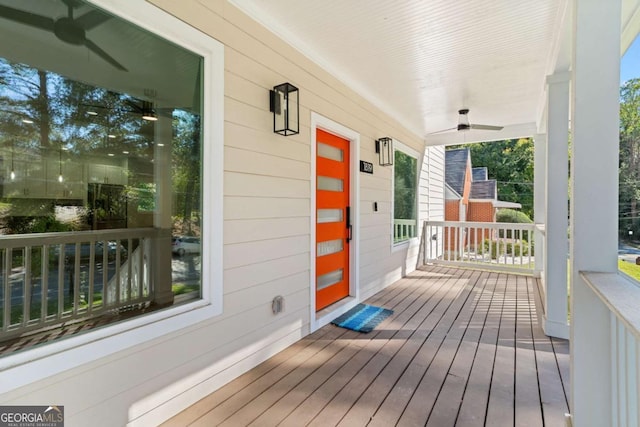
(462, 348)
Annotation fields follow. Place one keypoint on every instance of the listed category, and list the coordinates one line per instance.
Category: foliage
(35, 311)
(44, 115)
(512, 216)
(181, 288)
(499, 247)
(630, 269)
(510, 163)
(629, 166)
(186, 169)
(39, 224)
(404, 188)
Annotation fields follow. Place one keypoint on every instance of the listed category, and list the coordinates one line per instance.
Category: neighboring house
(469, 194)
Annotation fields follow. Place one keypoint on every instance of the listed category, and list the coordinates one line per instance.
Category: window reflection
(100, 148)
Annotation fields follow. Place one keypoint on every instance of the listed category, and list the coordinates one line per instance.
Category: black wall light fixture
(384, 148)
(284, 103)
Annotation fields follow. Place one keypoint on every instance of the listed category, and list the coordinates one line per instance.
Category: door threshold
(327, 314)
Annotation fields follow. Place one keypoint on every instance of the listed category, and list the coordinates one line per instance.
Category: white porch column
(594, 201)
(557, 212)
(539, 200)
(161, 249)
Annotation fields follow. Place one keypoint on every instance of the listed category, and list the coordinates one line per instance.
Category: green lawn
(630, 269)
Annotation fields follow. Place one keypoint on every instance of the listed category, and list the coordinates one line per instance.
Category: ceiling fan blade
(442, 131)
(135, 107)
(104, 55)
(486, 127)
(27, 18)
(72, 3)
(92, 19)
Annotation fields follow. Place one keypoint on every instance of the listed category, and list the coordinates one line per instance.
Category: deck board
(463, 348)
(447, 406)
(528, 407)
(472, 411)
(500, 409)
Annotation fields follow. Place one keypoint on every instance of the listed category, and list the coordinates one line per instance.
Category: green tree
(629, 166)
(405, 181)
(512, 216)
(186, 167)
(510, 163)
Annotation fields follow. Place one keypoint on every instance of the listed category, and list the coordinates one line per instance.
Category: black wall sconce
(284, 103)
(384, 148)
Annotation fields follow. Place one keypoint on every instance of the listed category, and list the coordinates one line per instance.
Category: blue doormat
(363, 318)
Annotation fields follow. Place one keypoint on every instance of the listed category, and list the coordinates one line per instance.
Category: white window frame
(399, 146)
(33, 365)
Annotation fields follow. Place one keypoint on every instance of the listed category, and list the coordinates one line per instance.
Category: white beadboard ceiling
(422, 60)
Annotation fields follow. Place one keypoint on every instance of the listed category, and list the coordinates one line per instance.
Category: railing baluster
(467, 243)
(613, 326)
(106, 300)
(621, 370)
(118, 281)
(75, 283)
(44, 292)
(637, 411)
(27, 286)
(129, 270)
(6, 322)
(61, 267)
(631, 378)
(456, 242)
(513, 246)
(499, 246)
(63, 293)
(92, 274)
(141, 255)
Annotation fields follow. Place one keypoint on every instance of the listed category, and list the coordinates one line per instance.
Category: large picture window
(405, 175)
(100, 170)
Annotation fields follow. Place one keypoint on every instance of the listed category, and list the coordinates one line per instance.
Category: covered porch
(463, 347)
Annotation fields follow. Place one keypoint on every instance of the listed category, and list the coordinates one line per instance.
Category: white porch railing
(498, 246)
(614, 351)
(404, 229)
(50, 278)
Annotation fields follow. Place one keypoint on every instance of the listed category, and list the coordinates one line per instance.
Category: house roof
(450, 193)
(487, 189)
(456, 168)
(499, 204)
(480, 174)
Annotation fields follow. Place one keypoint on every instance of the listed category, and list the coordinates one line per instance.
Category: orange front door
(333, 219)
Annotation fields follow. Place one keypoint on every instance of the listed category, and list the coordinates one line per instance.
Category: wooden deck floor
(463, 348)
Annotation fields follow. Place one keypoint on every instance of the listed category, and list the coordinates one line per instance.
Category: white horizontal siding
(264, 207)
(267, 229)
(263, 272)
(243, 231)
(436, 184)
(249, 185)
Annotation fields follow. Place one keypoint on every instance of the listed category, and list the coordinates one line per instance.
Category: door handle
(349, 227)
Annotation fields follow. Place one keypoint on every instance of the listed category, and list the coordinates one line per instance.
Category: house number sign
(366, 167)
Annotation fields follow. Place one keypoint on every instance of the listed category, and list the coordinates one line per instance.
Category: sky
(630, 63)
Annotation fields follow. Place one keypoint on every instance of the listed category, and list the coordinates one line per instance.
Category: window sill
(405, 244)
(26, 367)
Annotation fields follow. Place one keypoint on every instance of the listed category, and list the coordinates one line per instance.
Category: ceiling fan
(67, 29)
(145, 109)
(464, 125)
